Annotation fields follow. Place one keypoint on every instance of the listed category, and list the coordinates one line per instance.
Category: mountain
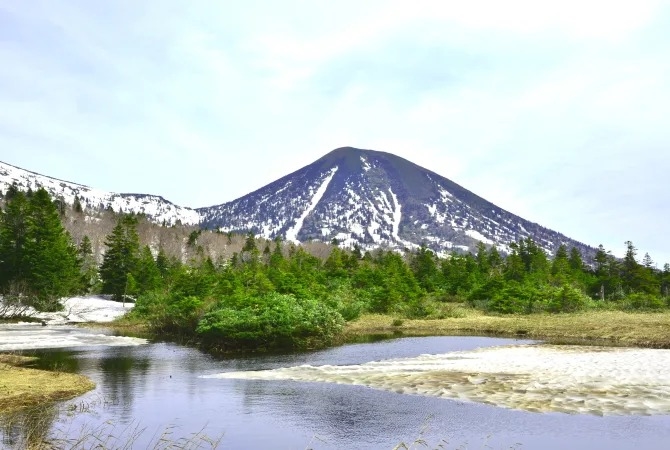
(358, 197)
(155, 207)
(374, 199)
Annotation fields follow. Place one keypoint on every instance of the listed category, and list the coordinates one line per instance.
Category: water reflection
(161, 385)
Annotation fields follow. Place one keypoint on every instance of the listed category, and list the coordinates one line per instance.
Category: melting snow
(366, 165)
(155, 207)
(56, 334)
(397, 215)
(474, 234)
(569, 379)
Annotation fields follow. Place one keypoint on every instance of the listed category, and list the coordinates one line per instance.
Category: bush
(513, 298)
(643, 301)
(272, 321)
(344, 300)
(567, 299)
(173, 313)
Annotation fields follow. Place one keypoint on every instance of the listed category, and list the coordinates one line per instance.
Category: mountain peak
(371, 198)
(358, 197)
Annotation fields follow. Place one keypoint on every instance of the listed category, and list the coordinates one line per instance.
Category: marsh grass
(127, 325)
(602, 327)
(109, 435)
(64, 426)
(22, 387)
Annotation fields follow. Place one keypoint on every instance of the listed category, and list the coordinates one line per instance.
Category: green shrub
(643, 301)
(170, 313)
(513, 298)
(567, 299)
(344, 299)
(272, 321)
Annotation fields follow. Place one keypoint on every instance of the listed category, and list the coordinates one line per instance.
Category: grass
(600, 327)
(22, 387)
(127, 326)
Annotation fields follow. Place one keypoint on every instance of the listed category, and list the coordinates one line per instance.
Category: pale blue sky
(555, 111)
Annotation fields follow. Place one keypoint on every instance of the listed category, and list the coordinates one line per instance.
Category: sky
(555, 111)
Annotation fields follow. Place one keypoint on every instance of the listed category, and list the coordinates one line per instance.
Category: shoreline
(604, 328)
(610, 328)
(24, 387)
(21, 386)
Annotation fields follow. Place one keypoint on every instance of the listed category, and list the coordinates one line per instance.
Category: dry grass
(22, 387)
(15, 360)
(123, 325)
(598, 327)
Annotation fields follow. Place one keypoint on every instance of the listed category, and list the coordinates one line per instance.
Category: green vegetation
(283, 297)
(38, 261)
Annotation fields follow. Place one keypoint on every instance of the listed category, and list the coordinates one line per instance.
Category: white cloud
(539, 107)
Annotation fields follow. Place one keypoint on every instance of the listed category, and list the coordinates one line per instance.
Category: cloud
(554, 111)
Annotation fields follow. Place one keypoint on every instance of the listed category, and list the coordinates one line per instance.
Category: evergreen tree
(637, 277)
(576, 261)
(89, 269)
(560, 266)
(121, 258)
(147, 275)
(162, 262)
(37, 253)
(51, 253)
(76, 205)
(250, 243)
(514, 265)
(630, 268)
(424, 267)
(495, 261)
(13, 235)
(482, 257)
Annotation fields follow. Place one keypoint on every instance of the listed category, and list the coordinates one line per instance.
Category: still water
(164, 387)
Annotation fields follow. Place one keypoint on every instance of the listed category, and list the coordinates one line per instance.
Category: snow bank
(25, 336)
(542, 378)
(87, 309)
(35, 336)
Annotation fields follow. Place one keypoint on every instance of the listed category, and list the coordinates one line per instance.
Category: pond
(147, 390)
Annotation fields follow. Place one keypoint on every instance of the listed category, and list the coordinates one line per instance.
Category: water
(161, 385)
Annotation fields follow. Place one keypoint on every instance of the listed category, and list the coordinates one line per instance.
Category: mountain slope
(373, 199)
(358, 197)
(155, 207)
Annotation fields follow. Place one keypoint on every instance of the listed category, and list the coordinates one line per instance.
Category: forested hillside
(229, 291)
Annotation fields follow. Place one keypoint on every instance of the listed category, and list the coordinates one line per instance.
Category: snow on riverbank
(542, 378)
(87, 309)
(33, 336)
(56, 333)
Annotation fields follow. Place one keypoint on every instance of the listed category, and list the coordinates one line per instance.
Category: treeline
(273, 294)
(39, 263)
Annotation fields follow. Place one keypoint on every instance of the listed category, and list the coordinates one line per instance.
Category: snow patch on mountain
(156, 208)
(292, 233)
(474, 234)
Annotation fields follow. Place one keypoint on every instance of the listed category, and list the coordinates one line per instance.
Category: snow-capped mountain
(155, 207)
(358, 197)
(374, 199)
